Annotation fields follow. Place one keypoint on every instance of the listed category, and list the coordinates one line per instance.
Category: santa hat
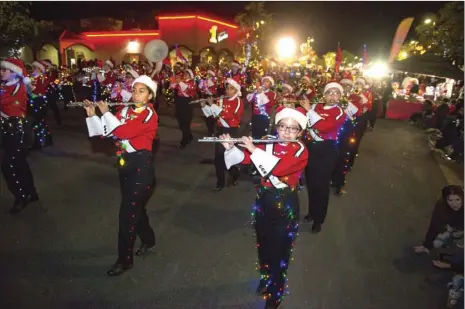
(211, 72)
(144, 79)
(360, 80)
(346, 81)
(287, 86)
(14, 65)
(268, 78)
(40, 65)
(333, 85)
(133, 73)
(233, 83)
(191, 74)
(307, 78)
(236, 64)
(110, 63)
(48, 63)
(298, 114)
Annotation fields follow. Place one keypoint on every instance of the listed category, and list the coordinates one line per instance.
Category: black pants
(276, 215)
(347, 145)
(38, 108)
(260, 125)
(322, 157)
(137, 181)
(15, 168)
(67, 92)
(360, 126)
(220, 166)
(210, 122)
(184, 115)
(373, 114)
(52, 97)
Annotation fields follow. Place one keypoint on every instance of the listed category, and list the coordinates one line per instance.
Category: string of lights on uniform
(292, 229)
(37, 105)
(16, 129)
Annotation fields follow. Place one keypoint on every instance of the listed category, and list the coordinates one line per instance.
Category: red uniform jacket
(279, 165)
(368, 94)
(358, 102)
(325, 122)
(13, 99)
(207, 87)
(39, 84)
(233, 108)
(135, 131)
(262, 102)
(185, 89)
(109, 79)
(239, 78)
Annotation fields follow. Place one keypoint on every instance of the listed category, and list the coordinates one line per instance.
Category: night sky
(350, 23)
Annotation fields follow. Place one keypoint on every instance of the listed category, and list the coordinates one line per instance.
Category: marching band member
(228, 113)
(185, 90)
(276, 210)
(110, 77)
(134, 130)
(306, 91)
(52, 90)
(38, 105)
(287, 95)
(347, 141)
(325, 122)
(13, 109)
(262, 100)
(207, 89)
(368, 108)
(237, 75)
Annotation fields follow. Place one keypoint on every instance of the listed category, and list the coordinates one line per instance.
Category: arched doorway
(225, 56)
(186, 53)
(77, 53)
(208, 55)
(49, 52)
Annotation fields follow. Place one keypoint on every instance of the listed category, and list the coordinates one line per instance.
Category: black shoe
(339, 192)
(262, 288)
(118, 269)
(232, 182)
(308, 219)
(143, 250)
(182, 145)
(20, 204)
(218, 188)
(316, 228)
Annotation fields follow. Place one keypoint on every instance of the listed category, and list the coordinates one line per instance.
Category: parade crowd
(305, 129)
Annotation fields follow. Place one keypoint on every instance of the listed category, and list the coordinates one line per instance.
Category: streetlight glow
(428, 21)
(133, 47)
(286, 48)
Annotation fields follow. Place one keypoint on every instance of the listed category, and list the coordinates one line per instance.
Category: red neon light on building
(198, 17)
(119, 34)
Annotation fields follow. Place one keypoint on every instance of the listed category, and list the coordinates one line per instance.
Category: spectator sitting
(446, 221)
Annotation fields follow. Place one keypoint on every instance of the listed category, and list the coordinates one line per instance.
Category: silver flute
(239, 140)
(82, 104)
(206, 99)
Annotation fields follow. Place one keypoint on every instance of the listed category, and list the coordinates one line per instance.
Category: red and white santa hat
(48, 64)
(39, 64)
(235, 84)
(235, 64)
(268, 78)
(346, 81)
(307, 78)
(332, 85)
(287, 86)
(144, 79)
(133, 73)
(191, 74)
(361, 80)
(14, 65)
(110, 63)
(212, 73)
(298, 114)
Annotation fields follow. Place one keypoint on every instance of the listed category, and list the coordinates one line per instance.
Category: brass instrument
(206, 99)
(239, 140)
(82, 104)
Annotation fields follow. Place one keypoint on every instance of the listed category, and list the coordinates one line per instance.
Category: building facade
(198, 38)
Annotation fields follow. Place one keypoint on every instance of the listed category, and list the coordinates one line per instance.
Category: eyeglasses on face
(292, 129)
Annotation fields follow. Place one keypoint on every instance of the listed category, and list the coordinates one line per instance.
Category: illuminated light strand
(121, 34)
(198, 17)
(39, 126)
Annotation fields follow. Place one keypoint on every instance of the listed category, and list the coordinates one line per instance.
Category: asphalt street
(55, 254)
